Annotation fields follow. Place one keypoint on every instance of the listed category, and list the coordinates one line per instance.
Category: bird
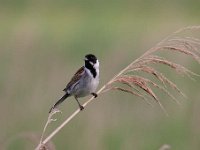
(84, 82)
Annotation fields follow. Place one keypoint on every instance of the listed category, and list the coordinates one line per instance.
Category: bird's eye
(91, 63)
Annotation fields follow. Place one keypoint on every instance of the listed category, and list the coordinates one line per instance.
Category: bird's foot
(94, 94)
(81, 107)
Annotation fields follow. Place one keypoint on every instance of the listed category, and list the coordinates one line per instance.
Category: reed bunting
(83, 83)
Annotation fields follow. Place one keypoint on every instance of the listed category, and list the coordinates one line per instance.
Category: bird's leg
(94, 94)
(80, 106)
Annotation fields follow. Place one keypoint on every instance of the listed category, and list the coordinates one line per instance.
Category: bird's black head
(90, 58)
(92, 64)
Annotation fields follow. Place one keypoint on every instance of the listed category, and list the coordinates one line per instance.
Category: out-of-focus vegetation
(42, 43)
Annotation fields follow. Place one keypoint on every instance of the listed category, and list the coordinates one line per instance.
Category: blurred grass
(43, 42)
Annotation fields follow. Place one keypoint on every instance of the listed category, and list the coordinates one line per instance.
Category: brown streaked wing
(75, 78)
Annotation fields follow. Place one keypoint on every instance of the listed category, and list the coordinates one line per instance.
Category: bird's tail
(59, 101)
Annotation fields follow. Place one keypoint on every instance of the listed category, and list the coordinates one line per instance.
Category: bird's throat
(91, 69)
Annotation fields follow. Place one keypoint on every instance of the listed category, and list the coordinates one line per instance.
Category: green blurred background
(42, 43)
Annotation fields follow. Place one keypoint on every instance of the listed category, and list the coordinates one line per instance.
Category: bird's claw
(81, 107)
(94, 94)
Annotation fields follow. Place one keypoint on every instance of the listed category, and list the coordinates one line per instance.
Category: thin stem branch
(78, 110)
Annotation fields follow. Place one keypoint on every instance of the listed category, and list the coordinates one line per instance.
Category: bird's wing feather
(75, 78)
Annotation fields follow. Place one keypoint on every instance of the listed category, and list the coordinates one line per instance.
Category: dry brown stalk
(127, 81)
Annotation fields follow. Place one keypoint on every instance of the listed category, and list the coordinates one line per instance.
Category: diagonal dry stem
(188, 46)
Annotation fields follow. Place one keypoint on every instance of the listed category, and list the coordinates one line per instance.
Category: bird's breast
(87, 86)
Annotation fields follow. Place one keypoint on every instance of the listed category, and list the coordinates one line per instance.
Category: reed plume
(128, 81)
